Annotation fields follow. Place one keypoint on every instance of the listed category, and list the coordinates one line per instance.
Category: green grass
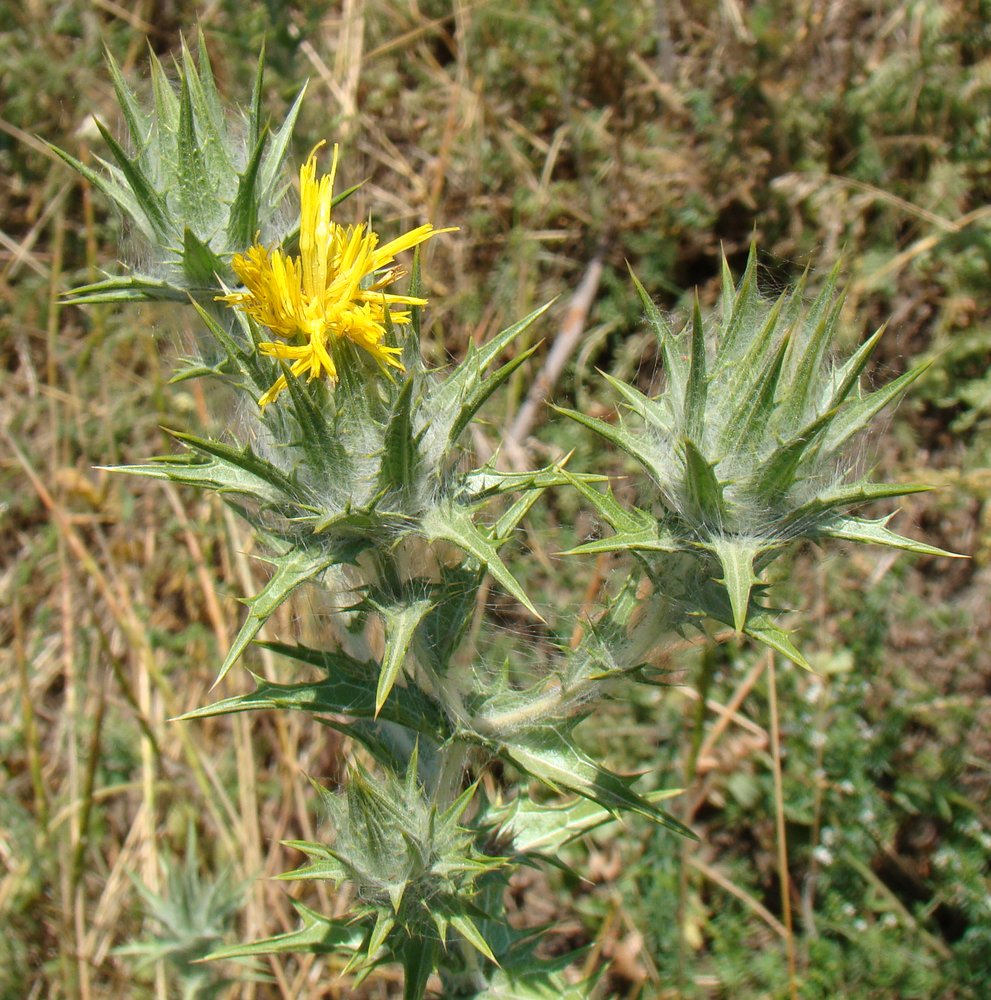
(551, 132)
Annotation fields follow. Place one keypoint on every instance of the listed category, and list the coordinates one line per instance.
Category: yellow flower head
(333, 289)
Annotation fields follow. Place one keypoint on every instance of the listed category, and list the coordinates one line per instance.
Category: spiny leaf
(127, 288)
(875, 532)
(705, 493)
(209, 84)
(419, 957)
(452, 523)
(777, 472)
(275, 154)
(243, 458)
(736, 555)
(400, 448)
(196, 201)
(212, 474)
(623, 520)
(138, 122)
(547, 828)
(166, 117)
(255, 124)
(207, 114)
(509, 520)
(697, 388)
(636, 446)
(461, 387)
(318, 935)
(547, 753)
(326, 454)
(401, 622)
(847, 377)
(242, 223)
(479, 391)
(490, 482)
(651, 411)
(744, 300)
(152, 205)
(763, 629)
(807, 371)
(244, 357)
(857, 415)
(756, 403)
(464, 925)
(199, 263)
(844, 495)
(674, 364)
(291, 569)
(384, 923)
(343, 692)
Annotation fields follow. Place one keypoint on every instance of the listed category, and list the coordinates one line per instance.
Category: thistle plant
(351, 467)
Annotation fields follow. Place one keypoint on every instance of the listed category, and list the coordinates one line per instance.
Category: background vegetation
(560, 135)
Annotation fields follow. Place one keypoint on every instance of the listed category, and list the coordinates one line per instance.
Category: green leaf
(653, 413)
(255, 124)
(848, 376)
(247, 461)
(858, 529)
(152, 204)
(548, 754)
(275, 154)
(697, 388)
(327, 457)
(351, 685)
(491, 482)
(138, 122)
(629, 520)
(807, 371)
(318, 935)
(242, 222)
(460, 390)
(674, 364)
(453, 523)
(776, 474)
(384, 922)
(536, 827)
(128, 288)
(478, 391)
(401, 458)
(756, 396)
(510, 519)
(464, 925)
(846, 495)
(858, 414)
(212, 474)
(764, 630)
(636, 446)
(419, 957)
(200, 264)
(291, 569)
(705, 494)
(745, 300)
(401, 622)
(736, 555)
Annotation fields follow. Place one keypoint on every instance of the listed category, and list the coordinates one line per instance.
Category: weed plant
(800, 130)
(348, 464)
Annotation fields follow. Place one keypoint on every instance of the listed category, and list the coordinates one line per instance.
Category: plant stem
(779, 815)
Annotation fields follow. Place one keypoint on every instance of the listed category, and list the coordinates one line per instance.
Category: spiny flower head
(749, 448)
(333, 290)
